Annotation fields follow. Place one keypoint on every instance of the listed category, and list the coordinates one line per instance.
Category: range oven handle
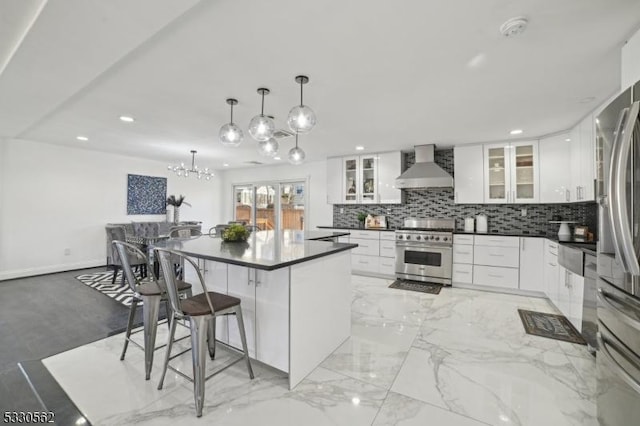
(619, 370)
(418, 245)
(622, 235)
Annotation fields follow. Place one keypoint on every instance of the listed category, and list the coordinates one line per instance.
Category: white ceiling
(386, 75)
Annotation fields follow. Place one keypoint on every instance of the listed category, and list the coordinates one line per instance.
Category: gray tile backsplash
(438, 202)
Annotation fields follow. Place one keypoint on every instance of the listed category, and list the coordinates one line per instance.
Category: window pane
(244, 203)
(265, 211)
(292, 205)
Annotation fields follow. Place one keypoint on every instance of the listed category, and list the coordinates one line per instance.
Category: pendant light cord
(193, 160)
(262, 109)
(301, 84)
(232, 113)
(296, 139)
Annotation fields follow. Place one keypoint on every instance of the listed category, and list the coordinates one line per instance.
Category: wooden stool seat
(198, 305)
(155, 288)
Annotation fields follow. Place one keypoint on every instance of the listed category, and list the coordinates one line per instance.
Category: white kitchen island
(295, 292)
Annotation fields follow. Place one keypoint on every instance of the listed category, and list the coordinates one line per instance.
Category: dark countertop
(322, 235)
(586, 246)
(355, 229)
(266, 250)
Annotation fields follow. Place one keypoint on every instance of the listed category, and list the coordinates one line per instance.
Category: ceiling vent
(255, 163)
(514, 26)
(281, 134)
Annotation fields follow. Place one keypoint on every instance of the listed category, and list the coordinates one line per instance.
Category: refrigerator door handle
(605, 298)
(622, 235)
(621, 372)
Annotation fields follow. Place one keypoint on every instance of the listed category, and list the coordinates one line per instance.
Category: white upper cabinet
(511, 172)
(368, 165)
(468, 174)
(365, 179)
(389, 168)
(350, 180)
(587, 155)
(583, 160)
(334, 180)
(555, 182)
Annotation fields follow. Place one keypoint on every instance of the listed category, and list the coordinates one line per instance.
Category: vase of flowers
(176, 202)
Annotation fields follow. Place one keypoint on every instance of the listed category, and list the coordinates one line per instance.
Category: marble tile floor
(457, 358)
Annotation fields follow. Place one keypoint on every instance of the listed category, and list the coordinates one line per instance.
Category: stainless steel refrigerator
(618, 189)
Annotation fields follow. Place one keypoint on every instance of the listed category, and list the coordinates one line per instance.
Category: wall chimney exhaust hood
(425, 173)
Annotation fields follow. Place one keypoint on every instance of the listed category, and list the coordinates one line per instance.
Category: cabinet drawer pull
(462, 252)
(363, 262)
(552, 264)
(495, 276)
(462, 272)
(496, 255)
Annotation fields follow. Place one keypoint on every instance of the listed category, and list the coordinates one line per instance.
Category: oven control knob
(418, 237)
(408, 237)
(445, 239)
(437, 238)
(399, 237)
(431, 237)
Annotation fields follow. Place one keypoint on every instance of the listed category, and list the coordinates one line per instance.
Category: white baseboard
(29, 272)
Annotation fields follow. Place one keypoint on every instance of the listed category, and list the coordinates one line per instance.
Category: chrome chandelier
(183, 171)
(301, 119)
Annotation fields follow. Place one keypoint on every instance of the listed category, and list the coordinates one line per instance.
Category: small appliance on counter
(469, 224)
(481, 224)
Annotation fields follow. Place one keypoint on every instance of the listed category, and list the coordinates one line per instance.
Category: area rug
(550, 325)
(417, 286)
(101, 281)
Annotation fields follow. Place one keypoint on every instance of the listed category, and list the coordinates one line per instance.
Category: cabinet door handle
(567, 195)
(456, 197)
(551, 264)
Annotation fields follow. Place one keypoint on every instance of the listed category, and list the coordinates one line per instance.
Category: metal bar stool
(201, 311)
(150, 293)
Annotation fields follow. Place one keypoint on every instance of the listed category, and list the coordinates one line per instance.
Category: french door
(271, 205)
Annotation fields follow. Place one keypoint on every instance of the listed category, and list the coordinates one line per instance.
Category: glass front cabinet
(511, 173)
(360, 179)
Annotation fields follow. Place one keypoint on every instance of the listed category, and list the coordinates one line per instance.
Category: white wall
(631, 61)
(318, 212)
(55, 197)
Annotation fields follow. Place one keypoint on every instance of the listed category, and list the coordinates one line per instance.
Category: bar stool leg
(150, 308)
(211, 337)
(198, 353)
(243, 338)
(167, 354)
(132, 314)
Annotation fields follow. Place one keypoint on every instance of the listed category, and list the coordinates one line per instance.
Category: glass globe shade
(301, 119)
(231, 135)
(268, 148)
(296, 156)
(261, 128)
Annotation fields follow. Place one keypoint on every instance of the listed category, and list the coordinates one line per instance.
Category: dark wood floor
(42, 316)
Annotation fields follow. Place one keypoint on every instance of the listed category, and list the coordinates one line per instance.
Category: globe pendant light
(296, 154)
(301, 118)
(230, 134)
(261, 127)
(268, 148)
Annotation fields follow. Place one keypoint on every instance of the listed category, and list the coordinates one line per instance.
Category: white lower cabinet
(375, 254)
(387, 266)
(551, 271)
(495, 276)
(240, 284)
(570, 297)
(364, 263)
(531, 264)
(462, 273)
(272, 317)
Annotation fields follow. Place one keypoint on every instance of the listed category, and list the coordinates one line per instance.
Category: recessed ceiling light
(82, 138)
(516, 132)
(567, 140)
(359, 148)
(225, 165)
(514, 26)
(127, 119)
(277, 158)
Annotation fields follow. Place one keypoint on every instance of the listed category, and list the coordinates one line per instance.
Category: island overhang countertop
(265, 250)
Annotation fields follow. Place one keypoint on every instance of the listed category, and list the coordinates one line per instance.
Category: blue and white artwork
(146, 194)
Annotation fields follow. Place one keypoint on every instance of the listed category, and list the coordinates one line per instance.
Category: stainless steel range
(424, 250)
